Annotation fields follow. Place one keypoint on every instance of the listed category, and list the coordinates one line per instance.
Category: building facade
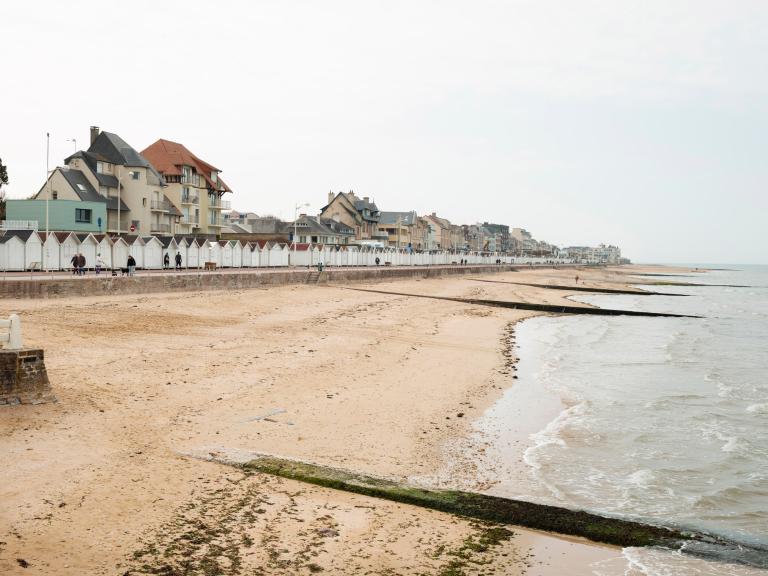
(113, 172)
(360, 214)
(192, 184)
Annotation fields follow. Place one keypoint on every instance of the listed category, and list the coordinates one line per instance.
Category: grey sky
(639, 123)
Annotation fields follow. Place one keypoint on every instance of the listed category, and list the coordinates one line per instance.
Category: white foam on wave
(662, 562)
(551, 436)
(761, 408)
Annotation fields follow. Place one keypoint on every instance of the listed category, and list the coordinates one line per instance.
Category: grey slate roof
(22, 235)
(113, 149)
(86, 192)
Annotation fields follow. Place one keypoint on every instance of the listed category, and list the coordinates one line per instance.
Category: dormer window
(103, 167)
(213, 177)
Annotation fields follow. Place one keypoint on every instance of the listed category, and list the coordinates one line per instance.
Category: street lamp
(74, 141)
(295, 226)
(119, 182)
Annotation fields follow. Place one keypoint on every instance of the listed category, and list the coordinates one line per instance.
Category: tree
(3, 182)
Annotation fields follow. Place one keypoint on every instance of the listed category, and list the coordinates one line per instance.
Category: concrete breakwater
(582, 288)
(556, 308)
(158, 282)
(608, 530)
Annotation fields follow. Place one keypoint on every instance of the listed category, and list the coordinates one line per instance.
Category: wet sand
(101, 482)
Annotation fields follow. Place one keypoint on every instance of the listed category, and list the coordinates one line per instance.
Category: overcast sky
(637, 123)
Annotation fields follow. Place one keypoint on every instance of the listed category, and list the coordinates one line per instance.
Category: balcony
(193, 179)
(160, 228)
(220, 205)
(190, 199)
(216, 222)
(193, 221)
(160, 206)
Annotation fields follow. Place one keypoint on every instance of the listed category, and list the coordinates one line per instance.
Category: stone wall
(224, 280)
(23, 378)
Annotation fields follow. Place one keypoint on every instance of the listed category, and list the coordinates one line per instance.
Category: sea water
(658, 419)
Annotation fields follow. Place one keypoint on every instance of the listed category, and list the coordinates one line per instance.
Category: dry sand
(101, 482)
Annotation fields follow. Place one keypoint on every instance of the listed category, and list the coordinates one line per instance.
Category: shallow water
(660, 419)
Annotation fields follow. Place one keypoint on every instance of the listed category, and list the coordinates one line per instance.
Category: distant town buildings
(168, 191)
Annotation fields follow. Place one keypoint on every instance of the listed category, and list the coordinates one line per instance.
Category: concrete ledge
(23, 378)
(230, 279)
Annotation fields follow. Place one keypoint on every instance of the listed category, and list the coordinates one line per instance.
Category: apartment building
(193, 184)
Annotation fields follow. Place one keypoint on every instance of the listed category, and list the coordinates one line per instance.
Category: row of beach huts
(22, 250)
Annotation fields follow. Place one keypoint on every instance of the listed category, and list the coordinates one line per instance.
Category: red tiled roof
(168, 157)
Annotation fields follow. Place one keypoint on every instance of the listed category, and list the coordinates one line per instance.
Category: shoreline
(348, 369)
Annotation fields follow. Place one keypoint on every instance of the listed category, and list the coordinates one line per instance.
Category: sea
(663, 420)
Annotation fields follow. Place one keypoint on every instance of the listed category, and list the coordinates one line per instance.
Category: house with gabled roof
(360, 214)
(317, 230)
(112, 172)
(193, 184)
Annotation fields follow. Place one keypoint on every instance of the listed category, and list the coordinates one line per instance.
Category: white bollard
(10, 333)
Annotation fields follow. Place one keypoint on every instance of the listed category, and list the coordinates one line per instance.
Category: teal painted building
(66, 215)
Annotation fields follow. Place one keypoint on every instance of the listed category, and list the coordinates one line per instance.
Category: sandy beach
(110, 480)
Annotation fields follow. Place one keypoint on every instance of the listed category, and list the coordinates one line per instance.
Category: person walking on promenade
(74, 262)
(131, 265)
(99, 263)
(377, 261)
(166, 261)
(177, 258)
(81, 264)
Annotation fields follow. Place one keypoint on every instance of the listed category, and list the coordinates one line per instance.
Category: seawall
(159, 282)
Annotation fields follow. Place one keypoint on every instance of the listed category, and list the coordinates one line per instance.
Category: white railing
(19, 225)
(10, 333)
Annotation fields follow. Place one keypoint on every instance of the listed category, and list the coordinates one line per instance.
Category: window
(103, 168)
(55, 195)
(81, 187)
(136, 175)
(143, 201)
(83, 215)
(213, 177)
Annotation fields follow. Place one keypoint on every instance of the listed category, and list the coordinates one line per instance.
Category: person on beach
(577, 279)
(131, 265)
(177, 259)
(166, 261)
(81, 264)
(99, 263)
(377, 261)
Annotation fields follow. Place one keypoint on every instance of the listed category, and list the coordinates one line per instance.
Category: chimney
(331, 196)
(94, 133)
(366, 198)
(434, 215)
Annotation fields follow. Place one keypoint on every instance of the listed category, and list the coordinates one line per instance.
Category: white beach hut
(170, 247)
(51, 252)
(68, 247)
(12, 250)
(193, 253)
(226, 253)
(120, 251)
(214, 253)
(246, 256)
(33, 249)
(153, 253)
(87, 248)
(104, 248)
(237, 254)
(135, 248)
